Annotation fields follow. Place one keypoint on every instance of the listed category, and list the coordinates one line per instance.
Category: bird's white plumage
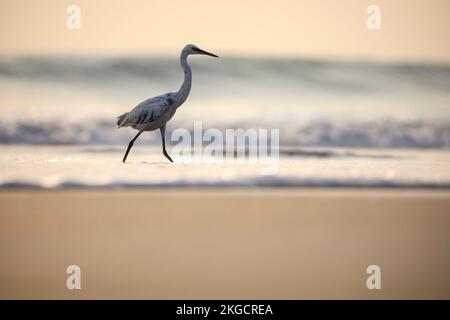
(150, 114)
(155, 112)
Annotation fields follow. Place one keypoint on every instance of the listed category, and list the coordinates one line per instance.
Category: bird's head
(193, 49)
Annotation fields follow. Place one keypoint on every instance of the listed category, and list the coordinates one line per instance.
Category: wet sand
(225, 244)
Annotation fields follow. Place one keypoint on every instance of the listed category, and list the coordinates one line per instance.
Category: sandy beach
(225, 244)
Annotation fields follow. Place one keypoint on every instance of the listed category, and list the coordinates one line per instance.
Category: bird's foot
(168, 157)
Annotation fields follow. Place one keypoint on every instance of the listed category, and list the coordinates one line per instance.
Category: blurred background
(311, 68)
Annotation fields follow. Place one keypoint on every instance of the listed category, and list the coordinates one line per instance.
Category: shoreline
(101, 167)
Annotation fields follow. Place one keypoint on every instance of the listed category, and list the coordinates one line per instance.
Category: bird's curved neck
(186, 86)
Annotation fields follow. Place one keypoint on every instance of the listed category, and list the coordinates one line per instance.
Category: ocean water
(95, 166)
(341, 123)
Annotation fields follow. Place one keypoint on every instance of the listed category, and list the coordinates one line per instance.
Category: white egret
(155, 112)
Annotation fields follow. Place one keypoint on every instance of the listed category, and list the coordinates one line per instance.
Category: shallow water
(101, 166)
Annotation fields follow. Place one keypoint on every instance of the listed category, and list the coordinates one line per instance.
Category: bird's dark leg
(130, 145)
(163, 136)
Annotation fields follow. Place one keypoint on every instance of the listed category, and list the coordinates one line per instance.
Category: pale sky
(410, 29)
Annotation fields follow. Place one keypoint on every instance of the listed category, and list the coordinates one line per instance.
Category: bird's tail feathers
(121, 119)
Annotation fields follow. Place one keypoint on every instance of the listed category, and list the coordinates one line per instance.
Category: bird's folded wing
(148, 111)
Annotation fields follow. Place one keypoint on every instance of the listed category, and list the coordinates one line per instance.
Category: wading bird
(155, 112)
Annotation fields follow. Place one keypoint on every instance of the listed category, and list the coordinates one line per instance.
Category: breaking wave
(52, 100)
(376, 134)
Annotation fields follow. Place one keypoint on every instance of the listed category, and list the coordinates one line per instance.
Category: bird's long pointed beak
(207, 53)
